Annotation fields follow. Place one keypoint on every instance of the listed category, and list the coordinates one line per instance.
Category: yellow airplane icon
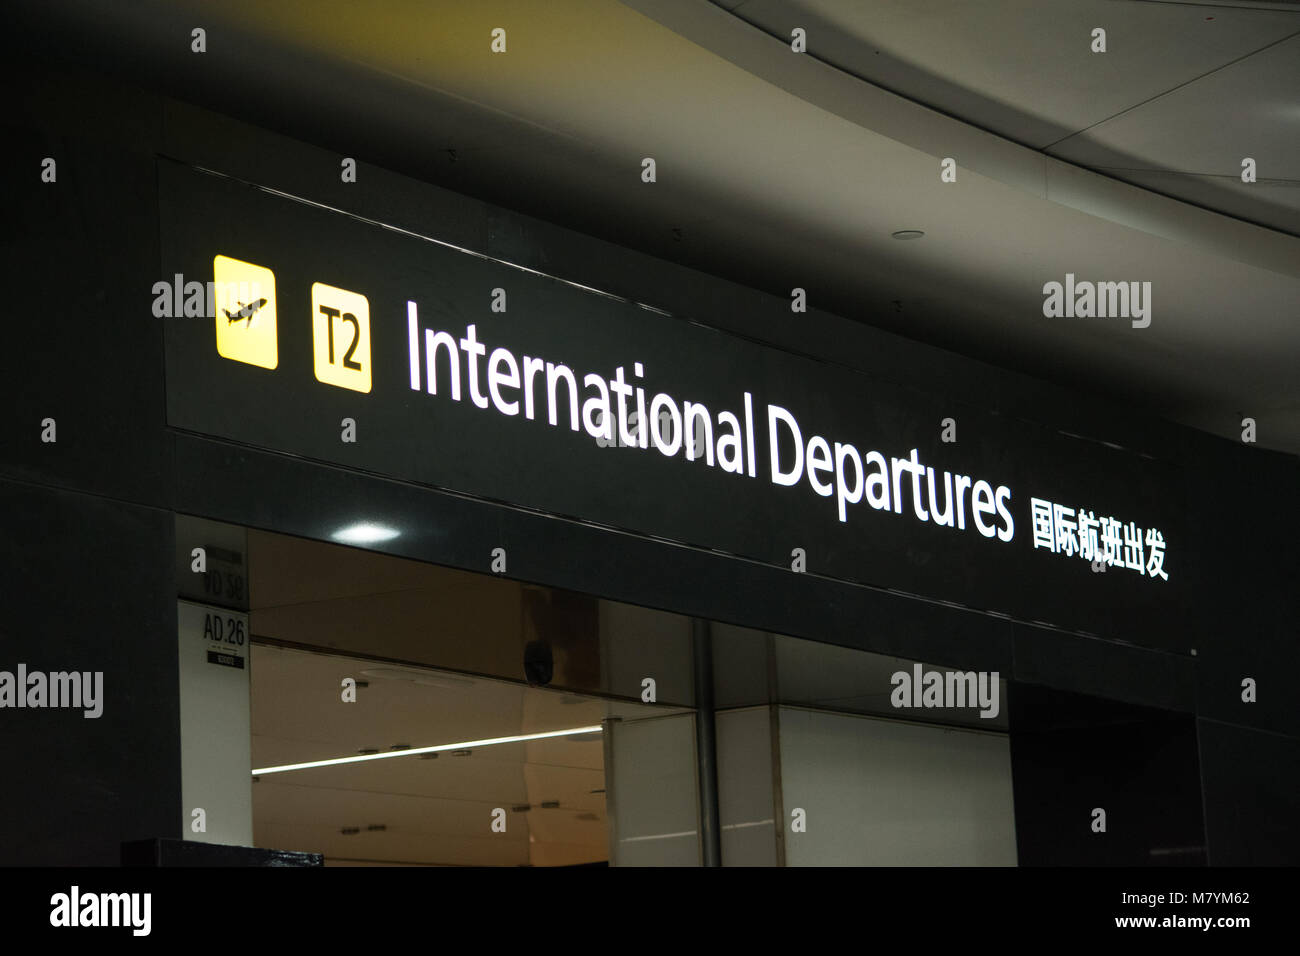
(245, 292)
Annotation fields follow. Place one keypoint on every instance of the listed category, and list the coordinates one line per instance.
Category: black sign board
(304, 330)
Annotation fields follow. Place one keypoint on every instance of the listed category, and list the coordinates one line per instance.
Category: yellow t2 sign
(245, 312)
(340, 337)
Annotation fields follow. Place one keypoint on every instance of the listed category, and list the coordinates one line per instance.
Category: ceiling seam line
(1041, 150)
(1188, 172)
(934, 108)
(1272, 6)
(845, 71)
(1172, 89)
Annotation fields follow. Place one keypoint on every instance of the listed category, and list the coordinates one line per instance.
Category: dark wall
(85, 522)
(88, 587)
(89, 550)
(1250, 781)
(1072, 755)
(1247, 513)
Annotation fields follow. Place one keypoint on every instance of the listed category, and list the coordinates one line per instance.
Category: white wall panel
(888, 793)
(653, 805)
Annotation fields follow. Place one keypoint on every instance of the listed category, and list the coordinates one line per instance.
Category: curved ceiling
(1181, 95)
(780, 170)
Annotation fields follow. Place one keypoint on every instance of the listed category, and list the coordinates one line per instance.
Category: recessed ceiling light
(365, 532)
(907, 234)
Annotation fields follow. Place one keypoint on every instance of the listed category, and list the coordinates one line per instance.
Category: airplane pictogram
(245, 311)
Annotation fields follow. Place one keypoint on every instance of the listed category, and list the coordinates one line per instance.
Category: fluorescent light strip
(428, 750)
